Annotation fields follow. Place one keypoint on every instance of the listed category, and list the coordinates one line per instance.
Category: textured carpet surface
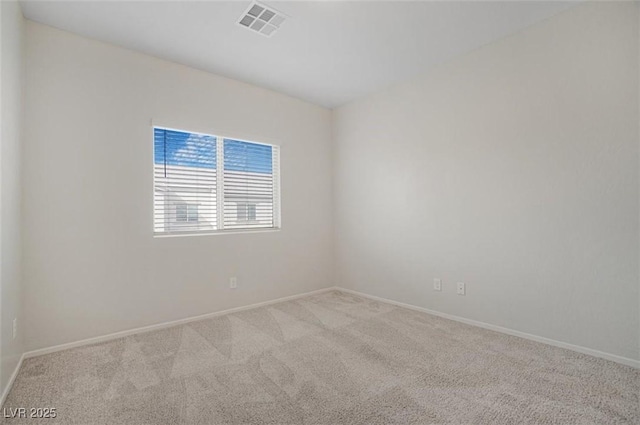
(331, 358)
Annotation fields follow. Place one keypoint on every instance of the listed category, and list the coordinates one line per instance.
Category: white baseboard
(584, 350)
(116, 335)
(5, 393)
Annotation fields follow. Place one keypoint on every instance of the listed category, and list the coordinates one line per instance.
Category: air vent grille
(262, 19)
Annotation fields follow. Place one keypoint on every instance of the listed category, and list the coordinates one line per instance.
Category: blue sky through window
(248, 157)
(184, 149)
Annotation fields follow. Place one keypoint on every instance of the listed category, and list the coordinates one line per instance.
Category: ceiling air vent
(262, 19)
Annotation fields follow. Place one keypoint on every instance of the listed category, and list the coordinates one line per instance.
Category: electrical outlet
(15, 328)
(461, 289)
(233, 283)
(437, 284)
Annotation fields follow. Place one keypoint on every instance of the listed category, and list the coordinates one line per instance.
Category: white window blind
(208, 184)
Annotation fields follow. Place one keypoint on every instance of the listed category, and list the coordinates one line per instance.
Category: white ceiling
(328, 52)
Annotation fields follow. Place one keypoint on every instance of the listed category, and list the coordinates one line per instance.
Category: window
(246, 212)
(186, 212)
(209, 184)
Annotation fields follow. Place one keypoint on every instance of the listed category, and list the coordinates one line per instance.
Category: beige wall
(93, 266)
(11, 71)
(513, 169)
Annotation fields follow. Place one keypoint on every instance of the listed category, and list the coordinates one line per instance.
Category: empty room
(319, 212)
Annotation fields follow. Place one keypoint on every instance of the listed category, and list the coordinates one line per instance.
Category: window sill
(215, 233)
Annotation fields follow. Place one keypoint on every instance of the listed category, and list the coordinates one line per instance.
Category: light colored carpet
(331, 358)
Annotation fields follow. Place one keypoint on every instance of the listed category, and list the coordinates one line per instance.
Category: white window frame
(220, 230)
